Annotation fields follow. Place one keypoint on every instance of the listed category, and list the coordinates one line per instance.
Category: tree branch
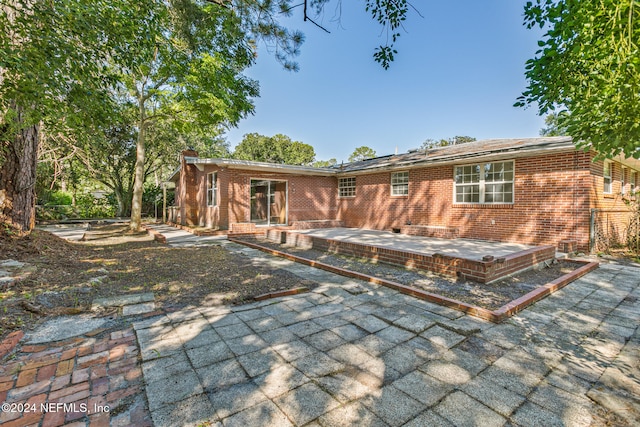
(306, 18)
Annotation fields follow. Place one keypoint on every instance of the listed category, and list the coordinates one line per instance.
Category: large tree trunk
(138, 183)
(18, 172)
(123, 199)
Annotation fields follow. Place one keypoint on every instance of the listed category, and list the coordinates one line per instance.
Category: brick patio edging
(283, 293)
(496, 316)
(157, 236)
(9, 343)
(487, 270)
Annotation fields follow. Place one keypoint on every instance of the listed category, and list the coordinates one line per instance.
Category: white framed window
(606, 174)
(400, 183)
(347, 187)
(212, 189)
(623, 184)
(484, 183)
(633, 176)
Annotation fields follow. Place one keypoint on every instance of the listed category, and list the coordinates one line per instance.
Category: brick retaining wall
(484, 271)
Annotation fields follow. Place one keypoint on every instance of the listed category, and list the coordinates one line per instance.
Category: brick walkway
(92, 381)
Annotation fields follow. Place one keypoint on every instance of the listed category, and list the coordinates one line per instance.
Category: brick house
(531, 190)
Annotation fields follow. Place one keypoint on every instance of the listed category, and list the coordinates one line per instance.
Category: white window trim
(633, 177)
(623, 183)
(355, 183)
(212, 189)
(481, 184)
(610, 177)
(401, 185)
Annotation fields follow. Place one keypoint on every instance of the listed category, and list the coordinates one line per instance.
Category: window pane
(347, 187)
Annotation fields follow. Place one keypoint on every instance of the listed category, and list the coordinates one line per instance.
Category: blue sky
(458, 71)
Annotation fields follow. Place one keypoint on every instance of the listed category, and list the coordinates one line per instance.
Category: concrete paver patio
(353, 353)
(348, 353)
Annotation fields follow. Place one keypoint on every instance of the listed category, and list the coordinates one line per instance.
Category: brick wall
(309, 197)
(187, 189)
(551, 202)
(553, 195)
(613, 214)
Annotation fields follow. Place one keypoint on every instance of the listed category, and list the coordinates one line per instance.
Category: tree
(186, 67)
(588, 69)
(324, 163)
(61, 61)
(362, 153)
(432, 143)
(50, 56)
(274, 149)
(553, 127)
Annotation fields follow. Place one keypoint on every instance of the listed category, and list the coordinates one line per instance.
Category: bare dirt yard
(62, 277)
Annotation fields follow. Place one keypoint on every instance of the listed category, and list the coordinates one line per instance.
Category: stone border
(157, 236)
(197, 232)
(283, 293)
(496, 316)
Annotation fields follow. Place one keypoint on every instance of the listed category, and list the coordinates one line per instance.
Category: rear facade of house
(532, 191)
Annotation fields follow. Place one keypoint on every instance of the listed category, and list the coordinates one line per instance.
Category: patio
(481, 261)
(355, 353)
(460, 248)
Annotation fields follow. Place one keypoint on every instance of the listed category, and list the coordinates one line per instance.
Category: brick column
(188, 189)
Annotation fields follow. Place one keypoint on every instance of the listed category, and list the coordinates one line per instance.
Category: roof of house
(461, 152)
(487, 149)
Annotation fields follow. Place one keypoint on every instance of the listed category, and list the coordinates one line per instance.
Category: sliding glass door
(268, 202)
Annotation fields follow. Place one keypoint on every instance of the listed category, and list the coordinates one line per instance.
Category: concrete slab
(136, 309)
(463, 411)
(393, 406)
(262, 414)
(280, 380)
(461, 248)
(181, 238)
(72, 232)
(173, 390)
(306, 403)
(352, 414)
(11, 263)
(423, 387)
(193, 411)
(121, 300)
(236, 398)
(494, 396)
(61, 328)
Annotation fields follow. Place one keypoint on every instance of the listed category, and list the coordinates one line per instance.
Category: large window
(606, 173)
(347, 187)
(623, 183)
(212, 189)
(484, 183)
(633, 176)
(400, 183)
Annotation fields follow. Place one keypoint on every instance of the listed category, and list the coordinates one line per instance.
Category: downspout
(592, 230)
